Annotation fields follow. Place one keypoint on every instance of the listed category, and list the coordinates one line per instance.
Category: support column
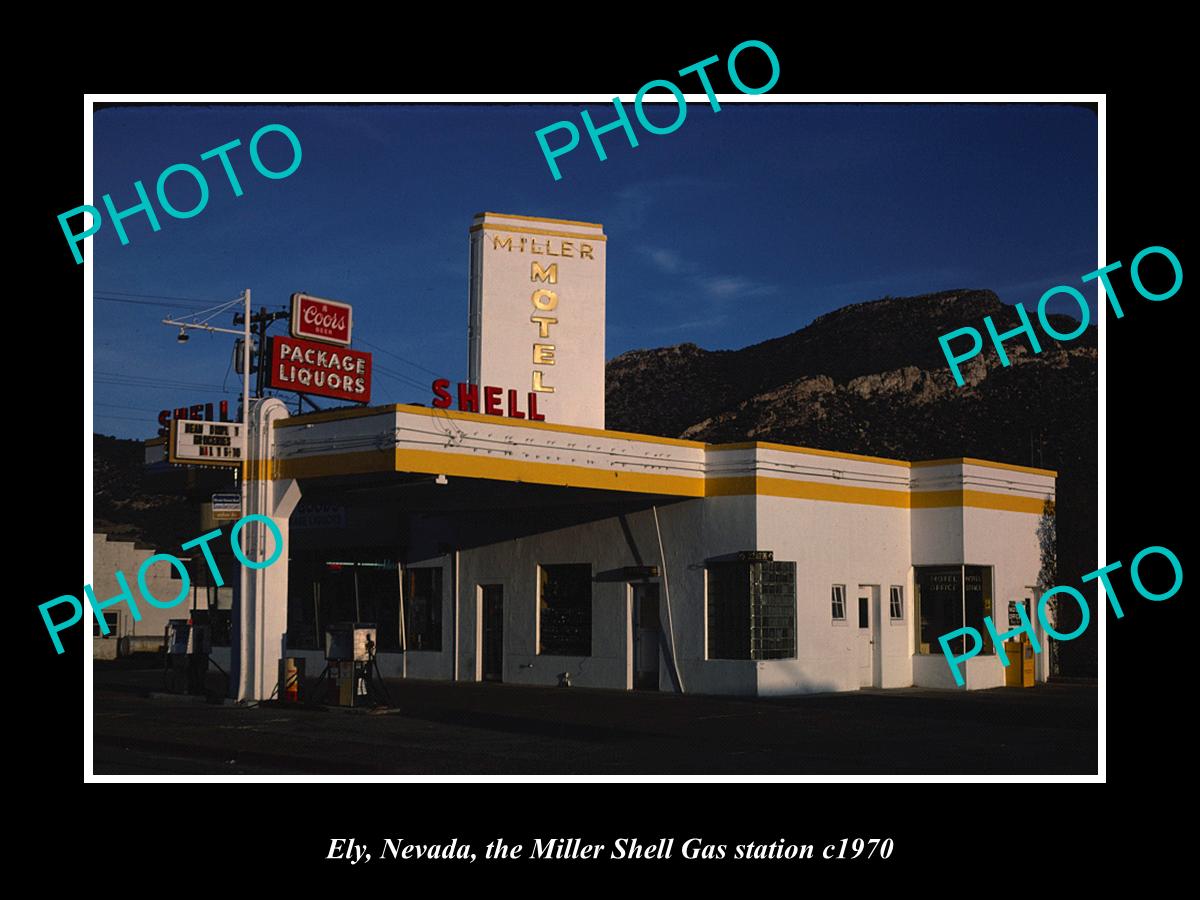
(262, 621)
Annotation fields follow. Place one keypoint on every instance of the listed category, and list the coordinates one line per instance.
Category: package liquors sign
(319, 369)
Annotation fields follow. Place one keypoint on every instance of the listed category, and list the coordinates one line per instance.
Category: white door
(866, 639)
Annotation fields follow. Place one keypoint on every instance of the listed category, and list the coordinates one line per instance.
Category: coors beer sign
(319, 319)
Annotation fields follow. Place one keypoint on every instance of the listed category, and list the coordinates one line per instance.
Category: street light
(244, 468)
(244, 333)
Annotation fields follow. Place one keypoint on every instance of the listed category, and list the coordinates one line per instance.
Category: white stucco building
(546, 552)
(144, 633)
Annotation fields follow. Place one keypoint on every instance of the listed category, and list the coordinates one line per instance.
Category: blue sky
(740, 226)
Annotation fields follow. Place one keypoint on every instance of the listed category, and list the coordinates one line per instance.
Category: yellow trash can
(1013, 672)
(1027, 659)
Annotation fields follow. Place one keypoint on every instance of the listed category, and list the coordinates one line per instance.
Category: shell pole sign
(199, 443)
(319, 319)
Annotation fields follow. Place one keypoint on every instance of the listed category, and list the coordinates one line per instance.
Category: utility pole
(242, 470)
(261, 321)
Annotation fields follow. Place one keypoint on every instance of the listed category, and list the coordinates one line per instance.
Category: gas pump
(351, 675)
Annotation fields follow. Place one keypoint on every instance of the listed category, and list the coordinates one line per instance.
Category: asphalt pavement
(440, 728)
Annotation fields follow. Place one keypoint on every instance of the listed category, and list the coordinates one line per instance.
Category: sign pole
(238, 676)
(244, 580)
(245, 388)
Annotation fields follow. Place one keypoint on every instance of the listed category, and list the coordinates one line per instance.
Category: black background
(949, 835)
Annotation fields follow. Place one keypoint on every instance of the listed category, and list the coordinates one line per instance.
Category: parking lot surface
(439, 728)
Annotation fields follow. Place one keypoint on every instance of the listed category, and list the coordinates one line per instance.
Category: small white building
(493, 546)
(145, 633)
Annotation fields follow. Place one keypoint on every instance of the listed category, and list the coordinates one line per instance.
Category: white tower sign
(537, 312)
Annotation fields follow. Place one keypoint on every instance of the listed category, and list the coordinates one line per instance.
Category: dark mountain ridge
(860, 339)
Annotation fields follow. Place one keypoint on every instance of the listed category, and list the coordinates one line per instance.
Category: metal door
(493, 631)
(646, 628)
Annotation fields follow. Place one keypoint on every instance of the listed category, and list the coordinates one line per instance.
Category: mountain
(871, 378)
(130, 504)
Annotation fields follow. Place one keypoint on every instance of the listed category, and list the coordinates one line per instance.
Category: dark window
(864, 614)
(112, 620)
(939, 607)
(752, 610)
(946, 598)
(728, 610)
(304, 592)
(219, 621)
(423, 608)
(978, 600)
(565, 610)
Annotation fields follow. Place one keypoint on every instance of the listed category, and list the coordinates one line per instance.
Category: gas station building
(502, 533)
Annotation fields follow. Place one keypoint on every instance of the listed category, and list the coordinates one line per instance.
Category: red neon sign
(492, 403)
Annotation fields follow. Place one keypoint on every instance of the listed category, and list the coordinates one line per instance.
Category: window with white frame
(112, 620)
(897, 602)
(839, 602)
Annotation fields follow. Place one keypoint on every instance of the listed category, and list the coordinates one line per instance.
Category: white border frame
(602, 99)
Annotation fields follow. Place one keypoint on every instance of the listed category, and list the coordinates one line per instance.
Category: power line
(156, 296)
(142, 302)
(141, 419)
(123, 406)
(394, 373)
(399, 357)
(397, 376)
(174, 385)
(125, 375)
(155, 382)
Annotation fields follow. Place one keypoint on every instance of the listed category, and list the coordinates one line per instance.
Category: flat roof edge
(481, 418)
(971, 461)
(392, 408)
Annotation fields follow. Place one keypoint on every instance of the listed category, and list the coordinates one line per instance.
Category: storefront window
(946, 598)
(303, 620)
(221, 625)
(978, 598)
(565, 610)
(328, 586)
(751, 610)
(423, 608)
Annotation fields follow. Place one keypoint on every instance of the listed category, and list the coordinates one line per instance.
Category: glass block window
(751, 610)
